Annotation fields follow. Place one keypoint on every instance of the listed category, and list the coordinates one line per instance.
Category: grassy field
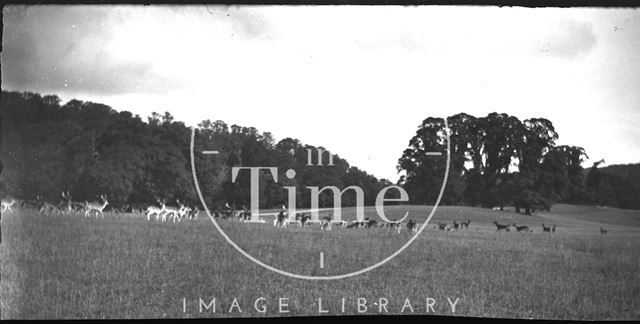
(64, 266)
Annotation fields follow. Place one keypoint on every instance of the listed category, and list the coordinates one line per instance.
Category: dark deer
(522, 228)
(326, 223)
(412, 226)
(546, 229)
(501, 227)
(603, 231)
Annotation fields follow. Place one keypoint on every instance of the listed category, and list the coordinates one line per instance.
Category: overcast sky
(356, 80)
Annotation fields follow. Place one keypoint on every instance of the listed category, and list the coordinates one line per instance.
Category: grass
(61, 267)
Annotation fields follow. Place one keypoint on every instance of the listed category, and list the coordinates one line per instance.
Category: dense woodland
(90, 149)
(499, 160)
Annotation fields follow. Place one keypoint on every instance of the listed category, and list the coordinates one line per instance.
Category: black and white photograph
(171, 161)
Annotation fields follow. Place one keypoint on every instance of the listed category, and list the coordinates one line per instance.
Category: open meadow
(123, 266)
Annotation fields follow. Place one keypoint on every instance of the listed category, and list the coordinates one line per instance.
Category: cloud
(571, 40)
(62, 48)
(245, 22)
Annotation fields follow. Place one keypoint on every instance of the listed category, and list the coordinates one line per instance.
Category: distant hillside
(630, 172)
(88, 149)
(616, 185)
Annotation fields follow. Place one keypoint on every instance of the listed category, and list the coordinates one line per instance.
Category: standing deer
(500, 227)
(96, 206)
(546, 229)
(326, 223)
(153, 210)
(7, 204)
(412, 226)
(65, 204)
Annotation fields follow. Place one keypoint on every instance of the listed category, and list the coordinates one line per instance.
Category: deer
(193, 214)
(412, 226)
(65, 204)
(153, 210)
(522, 228)
(245, 215)
(603, 231)
(326, 223)
(500, 227)
(281, 220)
(546, 229)
(96, 206)
(7, 204)
(465, 224)
(172, 212)
(304, 219)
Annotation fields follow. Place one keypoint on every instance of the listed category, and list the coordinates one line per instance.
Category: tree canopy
(90, 149)
(499, 160)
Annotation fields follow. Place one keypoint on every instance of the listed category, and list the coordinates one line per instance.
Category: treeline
(499, 160)
(90, 149)
(616, 185)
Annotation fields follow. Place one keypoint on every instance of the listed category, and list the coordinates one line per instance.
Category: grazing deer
(455, 225)
(546, 229)
(502, 227)
(442, 226)
(353, 224)
(553, 229)
(412, 226)
(97, 207)
(522, 228)
(603, 231)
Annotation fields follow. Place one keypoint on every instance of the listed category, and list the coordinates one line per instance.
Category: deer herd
(303, 220)
(162, 212)
(97, 208)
